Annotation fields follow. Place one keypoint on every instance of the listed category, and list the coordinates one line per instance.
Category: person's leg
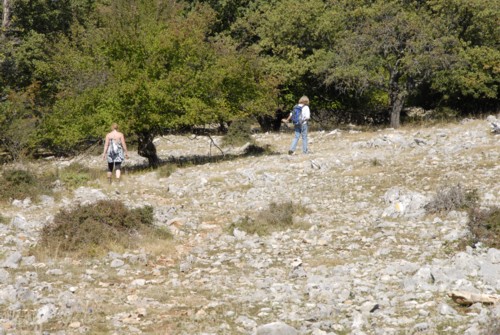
(304, 138)
(110, 171)
(295, 139)
(118, 169)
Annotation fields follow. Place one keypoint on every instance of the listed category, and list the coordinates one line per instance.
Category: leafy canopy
(151, 66)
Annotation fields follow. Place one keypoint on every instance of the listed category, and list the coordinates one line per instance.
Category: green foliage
(286, 34)
(476, 75)
(68, 69)
(16, 125)
(239, 133)
(444, 114)
(386, 47)
(160, 72)
(484, 226)
(22, 92)
(277, 217)
(46, 16)
(94, 229)
(454, 197)
(475, 22)
(76, 175)
(22, 184)
(227, 12)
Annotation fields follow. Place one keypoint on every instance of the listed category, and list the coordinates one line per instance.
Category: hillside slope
(369, 259)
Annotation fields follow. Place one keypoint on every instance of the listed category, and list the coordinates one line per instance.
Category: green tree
(386, 47)
(159, 70)
(226, 11)
(27, 83)
(475, 76)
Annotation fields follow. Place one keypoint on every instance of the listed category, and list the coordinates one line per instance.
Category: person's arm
(124, 145)
(287, 119)
(106, 144)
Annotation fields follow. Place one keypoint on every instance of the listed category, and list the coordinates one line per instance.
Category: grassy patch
(450, 198)
(321, 260)
(277, 217)
(93, 230)
(21, 184)
(76, 175)
(166, 170)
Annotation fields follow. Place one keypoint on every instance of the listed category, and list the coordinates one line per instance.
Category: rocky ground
(371, 261)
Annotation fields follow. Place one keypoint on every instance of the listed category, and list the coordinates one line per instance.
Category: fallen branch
(469, 298)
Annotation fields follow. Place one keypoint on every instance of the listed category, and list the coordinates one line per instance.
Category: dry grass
(166, 170)
(277, 217)
(454, 197)
(319, 260)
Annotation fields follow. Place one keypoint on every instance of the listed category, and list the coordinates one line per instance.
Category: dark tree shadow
(251, 151)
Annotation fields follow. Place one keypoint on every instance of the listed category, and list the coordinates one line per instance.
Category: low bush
(238, 134)
(277, 217)
(21, 184)
(450, 198)
(484, 227)
(95, 229)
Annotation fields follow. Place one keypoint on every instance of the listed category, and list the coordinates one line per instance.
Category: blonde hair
(304, 100)
(114, 126)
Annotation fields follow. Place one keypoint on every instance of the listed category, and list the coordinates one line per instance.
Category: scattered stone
(364, 260)
(12, 261)
(45, 314)
(276, 328)
(116, 263)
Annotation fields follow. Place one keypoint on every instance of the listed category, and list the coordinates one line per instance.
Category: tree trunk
(397, 97)
(397, 106)
(5, 17)
(147, 149)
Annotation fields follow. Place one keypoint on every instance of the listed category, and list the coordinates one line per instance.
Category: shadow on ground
(181, 161)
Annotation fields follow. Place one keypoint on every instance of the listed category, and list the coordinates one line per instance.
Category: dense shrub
(21, 184)
(97, 228)
(239, 133)
(484, 226)
(278, 216)
(450, 198)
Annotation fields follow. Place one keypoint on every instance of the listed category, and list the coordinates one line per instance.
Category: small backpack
(297, 115)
